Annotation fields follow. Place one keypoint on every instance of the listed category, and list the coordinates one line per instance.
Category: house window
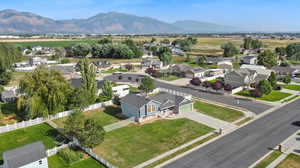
(40, 162)
(150, 108)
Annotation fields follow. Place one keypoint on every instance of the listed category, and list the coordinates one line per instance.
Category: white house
(28, 156)
(34, 61)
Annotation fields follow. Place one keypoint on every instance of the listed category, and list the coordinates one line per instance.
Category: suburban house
(28, 156)
(240, 78)
(180, 69)
(118, 90)
(151, 63)
(280, 70)
(67, 70)
(8, 96)
(249, 60)
(213, 60)
(195, 73)
(227, 65)
(149, 107)
(262, 72)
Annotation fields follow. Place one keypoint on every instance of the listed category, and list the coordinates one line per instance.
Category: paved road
(252, 106)
(246, 145)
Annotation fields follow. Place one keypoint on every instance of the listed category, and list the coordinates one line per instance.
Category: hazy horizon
(267, 15)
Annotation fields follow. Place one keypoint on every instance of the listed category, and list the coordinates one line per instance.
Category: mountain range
(13, 22)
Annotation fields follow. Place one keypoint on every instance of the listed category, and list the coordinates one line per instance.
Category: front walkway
(209, 121)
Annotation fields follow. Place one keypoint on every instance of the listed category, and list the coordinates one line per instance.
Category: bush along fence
(93, 155)
(53, 151)
(40, 120)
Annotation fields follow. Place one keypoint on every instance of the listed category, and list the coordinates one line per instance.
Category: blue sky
(272, 15)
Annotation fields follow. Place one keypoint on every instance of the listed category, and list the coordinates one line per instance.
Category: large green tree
(265, 87)
(45, 92)
(293, 51)
(147, 84)
(273, 80)
(81, 50)
(229, 50)
(92, 134)
(107, 91)
(267, 58)
(9, 54)
(88, 75)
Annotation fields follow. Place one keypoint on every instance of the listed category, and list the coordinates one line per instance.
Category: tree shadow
(53, 133)
(114, 111)
(10, 108)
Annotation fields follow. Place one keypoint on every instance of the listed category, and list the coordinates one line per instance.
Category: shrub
(217, 85)
(206, 84)
(228, 87)
(70, 155)
(278, 88)
(256, 93)
(116, 100)
(195, 81)
(265, 87)
(286, 79)
(64, 61)
(129, 67)
(120, 77)
(150, 71)
(102, 98)
(156, 74)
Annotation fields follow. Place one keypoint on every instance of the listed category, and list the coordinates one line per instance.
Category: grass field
(42, 132)
(104, 116)
(134, 144)
(61, 43)
(57, 161)
(291, 161)
(170, 78)
(268, 160)
(292, 87)
(219, 112)
(274, 96)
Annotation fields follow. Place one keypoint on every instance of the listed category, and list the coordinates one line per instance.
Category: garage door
(185, 108)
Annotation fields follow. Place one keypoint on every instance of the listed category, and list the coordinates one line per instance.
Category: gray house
(240, 78)
(249, 60)
(160, 105)
(28, 156)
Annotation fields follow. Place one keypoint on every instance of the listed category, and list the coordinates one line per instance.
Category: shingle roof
(167, 99)
(76, 83)
(8, 94)
(135, 100)
(24, 155)
(282, 69)
(249, 57)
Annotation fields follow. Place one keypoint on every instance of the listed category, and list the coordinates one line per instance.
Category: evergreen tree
(107, 91)
(273, 81)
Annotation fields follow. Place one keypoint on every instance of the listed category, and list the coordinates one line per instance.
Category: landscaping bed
(10, 114)
(135, 144)
(20, 137)
(104, 116)
(291, 161)
(219, 112)
(274, 96)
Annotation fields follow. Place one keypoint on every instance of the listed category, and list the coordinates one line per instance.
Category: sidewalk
(209, 121)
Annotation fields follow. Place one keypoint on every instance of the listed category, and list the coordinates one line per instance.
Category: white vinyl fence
(95, 156)
(53, 151)
(40, 120)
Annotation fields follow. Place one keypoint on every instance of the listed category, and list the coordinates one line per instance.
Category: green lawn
(170, 78)
(291, 161)
(42, 132)
(110, 71)
(129, 146)
(292, 87)
(104, 116)
(219, 112)
(274, 96)
(268, 160)
(57, 161)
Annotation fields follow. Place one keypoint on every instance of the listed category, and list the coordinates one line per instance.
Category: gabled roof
(135, 100)
(77, 83)
(183, 67)
(242, 72)
(24, 155)
(198, 70)
(282, 69)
